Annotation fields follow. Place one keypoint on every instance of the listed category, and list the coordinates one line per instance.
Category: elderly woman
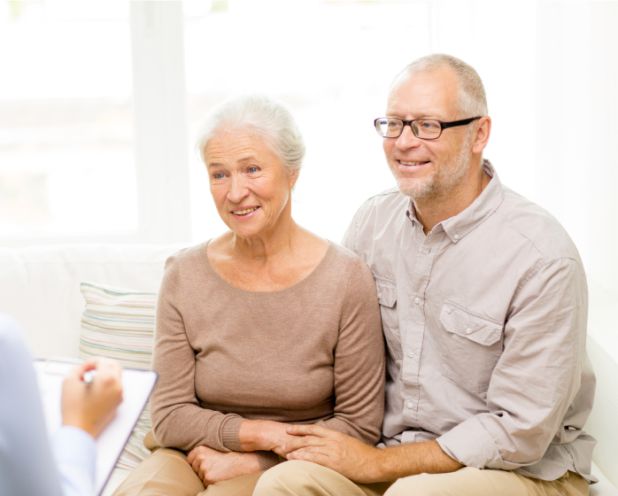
(263, 326)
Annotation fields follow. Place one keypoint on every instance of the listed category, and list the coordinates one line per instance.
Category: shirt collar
(458, 226)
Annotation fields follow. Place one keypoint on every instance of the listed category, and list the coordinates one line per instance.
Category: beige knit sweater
(312, 352)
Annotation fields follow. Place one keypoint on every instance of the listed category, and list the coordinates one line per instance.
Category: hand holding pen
(91, 394)
(88, 376)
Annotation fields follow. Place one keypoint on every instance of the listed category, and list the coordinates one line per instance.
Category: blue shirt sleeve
(75, 452)
(27, 463)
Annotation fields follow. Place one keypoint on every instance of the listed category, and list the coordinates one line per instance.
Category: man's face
(428, 169)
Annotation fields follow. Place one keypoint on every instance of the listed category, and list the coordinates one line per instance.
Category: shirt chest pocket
(387, 297)
(469, 347)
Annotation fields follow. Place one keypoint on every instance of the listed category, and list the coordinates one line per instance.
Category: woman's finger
(307, 430)
(309, 454)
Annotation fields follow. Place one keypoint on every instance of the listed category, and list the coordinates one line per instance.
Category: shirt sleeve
(26, 460)
(350, 237)
(537, 376)
(75, 452)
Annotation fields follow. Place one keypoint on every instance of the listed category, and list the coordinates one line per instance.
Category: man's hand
(349, 456)
(213, 466)
(91, 407)
(265, 435)
(366, 464)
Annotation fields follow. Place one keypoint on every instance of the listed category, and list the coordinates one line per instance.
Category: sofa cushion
(119, 324)
(39, 286)
(604, 487)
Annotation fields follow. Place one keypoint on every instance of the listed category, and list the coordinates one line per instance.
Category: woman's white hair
(263, 115)
(472, 98)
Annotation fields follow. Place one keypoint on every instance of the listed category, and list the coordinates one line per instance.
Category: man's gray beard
(440, 184)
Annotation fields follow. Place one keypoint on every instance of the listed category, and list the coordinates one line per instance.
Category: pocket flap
(387, 293)
(458, 321)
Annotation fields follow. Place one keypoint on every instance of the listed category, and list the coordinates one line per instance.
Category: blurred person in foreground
(264, 325)
(484, 307)
(29, 463)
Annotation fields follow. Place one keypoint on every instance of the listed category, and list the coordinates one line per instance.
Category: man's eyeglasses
(427, 129)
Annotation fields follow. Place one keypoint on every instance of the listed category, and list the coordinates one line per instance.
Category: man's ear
(481, 135)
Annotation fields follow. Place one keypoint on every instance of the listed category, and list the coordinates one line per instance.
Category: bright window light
(66, 123)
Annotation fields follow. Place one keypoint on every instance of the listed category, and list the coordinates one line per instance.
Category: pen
(88, 377)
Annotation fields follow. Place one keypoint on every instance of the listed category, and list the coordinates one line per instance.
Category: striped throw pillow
(119, 324)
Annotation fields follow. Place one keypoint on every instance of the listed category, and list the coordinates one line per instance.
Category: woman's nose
(238, 189)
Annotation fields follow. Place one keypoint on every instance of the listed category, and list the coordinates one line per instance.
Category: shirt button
(468, 330)
(417, 300)
(408, 404)
(410, 354)
(456, 236)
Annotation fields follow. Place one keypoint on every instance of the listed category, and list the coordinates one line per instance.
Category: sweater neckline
(298, 284)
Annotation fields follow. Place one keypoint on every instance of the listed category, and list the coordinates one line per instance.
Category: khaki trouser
(166, 472)
(299, 478)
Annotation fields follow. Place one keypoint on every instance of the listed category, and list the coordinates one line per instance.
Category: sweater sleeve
(359, 360)
(178, 419)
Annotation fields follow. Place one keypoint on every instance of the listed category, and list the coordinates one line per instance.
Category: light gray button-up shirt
(485, 323)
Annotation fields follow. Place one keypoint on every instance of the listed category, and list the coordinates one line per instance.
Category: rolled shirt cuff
(471, 445)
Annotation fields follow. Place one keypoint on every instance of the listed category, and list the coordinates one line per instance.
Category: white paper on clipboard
(137, 386)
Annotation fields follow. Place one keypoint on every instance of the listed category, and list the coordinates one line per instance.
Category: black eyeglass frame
(443, 125)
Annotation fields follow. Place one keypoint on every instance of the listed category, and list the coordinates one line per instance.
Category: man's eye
(217, 175)
(252, 169)
(429, 125)
(393, 124)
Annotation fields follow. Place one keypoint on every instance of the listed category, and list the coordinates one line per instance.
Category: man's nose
(407, 138)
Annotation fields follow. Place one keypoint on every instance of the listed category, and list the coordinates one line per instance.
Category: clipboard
(137, 386)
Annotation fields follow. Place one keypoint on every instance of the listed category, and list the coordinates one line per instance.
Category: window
(66, 120)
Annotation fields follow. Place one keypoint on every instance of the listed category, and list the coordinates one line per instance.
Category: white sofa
(39, 286)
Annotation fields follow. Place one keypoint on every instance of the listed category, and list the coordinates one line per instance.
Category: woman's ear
(293, 177)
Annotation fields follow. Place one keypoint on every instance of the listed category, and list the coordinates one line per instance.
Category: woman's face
(249, 183)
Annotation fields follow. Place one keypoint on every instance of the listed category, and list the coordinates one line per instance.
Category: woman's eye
(252, 169)
(217, 175)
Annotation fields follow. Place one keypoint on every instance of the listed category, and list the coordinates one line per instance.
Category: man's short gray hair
(264, 115)
(472, 99)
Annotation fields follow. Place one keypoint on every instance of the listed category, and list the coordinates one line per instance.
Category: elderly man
(483, 300)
